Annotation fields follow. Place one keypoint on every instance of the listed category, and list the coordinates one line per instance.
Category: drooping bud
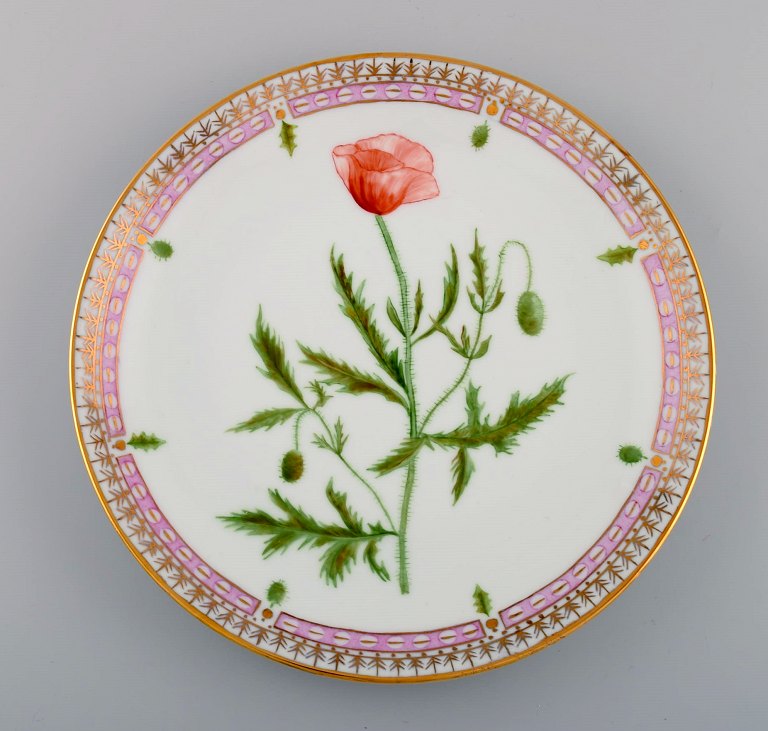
(530, 313)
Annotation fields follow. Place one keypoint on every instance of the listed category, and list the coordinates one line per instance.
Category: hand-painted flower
(385, 171)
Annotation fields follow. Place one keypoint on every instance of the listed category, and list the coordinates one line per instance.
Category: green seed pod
(277, 592)
(530, 313)
(630, 454)
(292, 466)
(480, 134)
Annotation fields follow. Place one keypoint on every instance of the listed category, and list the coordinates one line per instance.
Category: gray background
(87, 641)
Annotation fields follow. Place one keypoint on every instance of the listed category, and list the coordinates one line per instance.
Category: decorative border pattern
(191, 172)
(387, 641)
(385, 92)
(174, 543)
(581, 163)
(670, 404)
(111, 344)
(646, 517)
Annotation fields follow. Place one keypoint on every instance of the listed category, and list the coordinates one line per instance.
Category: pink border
(109, 350)
(390, 91)
(670, 337)
(590, 561)
(580, 163)
(193, 170)
(162, 528)
(386, 641)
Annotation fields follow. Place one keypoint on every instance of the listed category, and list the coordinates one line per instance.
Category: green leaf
(355, 308)
(473, 406)
(619, 255)
(498, 297)
(277, 592)
(418, 307)
(482, 601)
(400, 457)
(394, 318)
(288, 137)
(480, 271)
(479, 136)
(161, 249)
(266, 419)
(482, 349)
(335, 442)
(630, 454)
(462, 467)
(520, 416)
(450, 296)
(452, 339)
(272, 353)
(340, 542)
(320, 392)
(348, 378)
(147, 442)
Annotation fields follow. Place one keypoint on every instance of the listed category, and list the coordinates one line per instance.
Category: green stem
(402, 548)
(490, 298)
(502, 254)
(410, 392)
(353, 471)
(296, 427)
(459, 379)
(405, 315)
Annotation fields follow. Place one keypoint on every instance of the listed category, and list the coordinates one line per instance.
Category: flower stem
(410, 392)
(353, 471)
(459, 379)
(489, 298)
(402, 548)
(405, 314)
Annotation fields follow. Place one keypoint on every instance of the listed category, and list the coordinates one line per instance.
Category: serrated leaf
(400, 457)
(147, 442)
(462, 468)
(288, 137)
(520, 416)
(340, 543)
(335, 441)
(473, 406)
(320, 392)
(348, 378)
(480, 272)
(272, 353)
(266, 419)
(355, 308)
(277, 592)
(394, 318)
(418, 307)
(482, 601)
(450, 296)
(619, 255)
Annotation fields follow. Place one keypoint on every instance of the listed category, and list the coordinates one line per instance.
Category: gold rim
(564, 632)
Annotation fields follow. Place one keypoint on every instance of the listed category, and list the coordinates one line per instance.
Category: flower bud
(530, 313)
(292, 466)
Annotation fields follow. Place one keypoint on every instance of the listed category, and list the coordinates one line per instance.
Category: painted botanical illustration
(382, 173)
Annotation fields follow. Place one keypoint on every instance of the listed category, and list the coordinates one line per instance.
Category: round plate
(392, 367)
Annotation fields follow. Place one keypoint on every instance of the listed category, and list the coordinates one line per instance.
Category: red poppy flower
(384, 172)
